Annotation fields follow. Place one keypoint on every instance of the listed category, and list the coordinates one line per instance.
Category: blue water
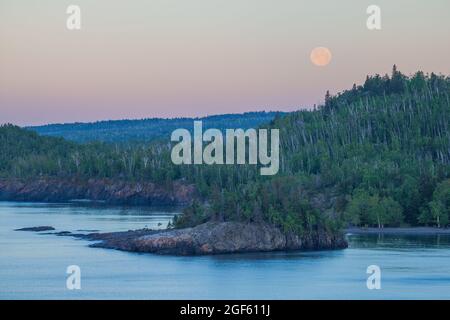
(33, 265)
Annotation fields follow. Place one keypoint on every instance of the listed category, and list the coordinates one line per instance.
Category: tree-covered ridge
(394, 147)
(27, 155)
(376, 155)
(145, 130)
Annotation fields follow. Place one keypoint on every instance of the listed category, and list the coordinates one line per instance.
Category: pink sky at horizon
(173, 58)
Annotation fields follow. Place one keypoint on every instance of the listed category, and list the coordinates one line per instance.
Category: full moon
(320, 56)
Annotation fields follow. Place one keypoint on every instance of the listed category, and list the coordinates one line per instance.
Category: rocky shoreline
(208, 238)
(104, 190)
(213, 238)
(225, 237)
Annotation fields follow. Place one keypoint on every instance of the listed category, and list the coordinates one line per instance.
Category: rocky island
(212, 238)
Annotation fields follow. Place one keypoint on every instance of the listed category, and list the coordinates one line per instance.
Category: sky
(172, 58)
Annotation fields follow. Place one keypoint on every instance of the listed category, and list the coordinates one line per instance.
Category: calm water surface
(33, 265)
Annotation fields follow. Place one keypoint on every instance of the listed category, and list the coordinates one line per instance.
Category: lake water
(33, 265)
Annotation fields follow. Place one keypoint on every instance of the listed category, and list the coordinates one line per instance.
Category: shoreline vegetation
(376, 155)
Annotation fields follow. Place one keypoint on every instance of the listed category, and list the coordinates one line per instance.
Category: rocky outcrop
(217, 238)
(36, 229)
(106, 190)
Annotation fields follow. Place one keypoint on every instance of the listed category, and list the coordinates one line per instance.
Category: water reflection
(398, 242)
(33, 265)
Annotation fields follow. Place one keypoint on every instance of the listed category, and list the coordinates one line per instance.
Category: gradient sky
(169, 58)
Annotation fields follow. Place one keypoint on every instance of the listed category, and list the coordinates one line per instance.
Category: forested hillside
(376, 155)
(146, 130)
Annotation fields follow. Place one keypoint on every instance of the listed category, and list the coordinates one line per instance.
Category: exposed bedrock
(216, 238)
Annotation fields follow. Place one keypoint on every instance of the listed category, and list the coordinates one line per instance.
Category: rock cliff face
(217, 238)
(114, 192)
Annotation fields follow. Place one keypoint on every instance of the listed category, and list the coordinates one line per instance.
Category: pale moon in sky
(320, 56)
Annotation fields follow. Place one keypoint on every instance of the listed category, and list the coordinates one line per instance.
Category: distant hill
(145, 130)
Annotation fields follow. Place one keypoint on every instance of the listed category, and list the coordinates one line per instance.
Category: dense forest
(375, 155)
(146, 130)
